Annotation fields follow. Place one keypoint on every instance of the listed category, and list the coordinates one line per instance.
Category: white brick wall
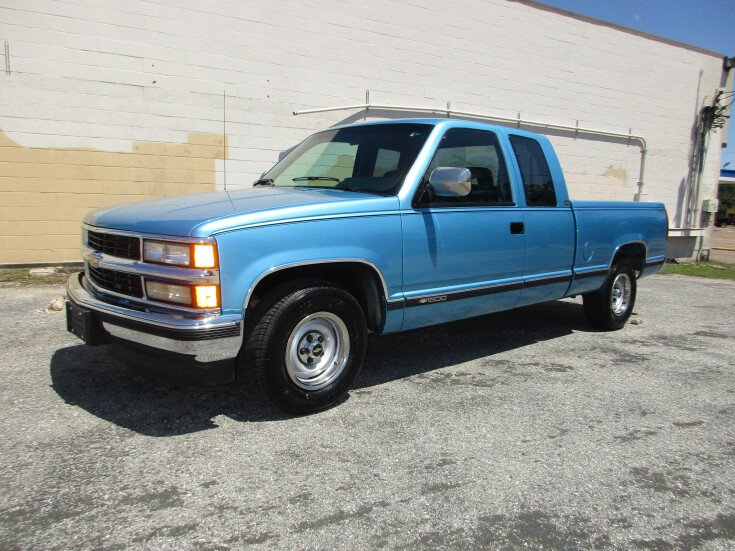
(105, 73)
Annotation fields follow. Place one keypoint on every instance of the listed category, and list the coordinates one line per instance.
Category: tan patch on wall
(45, 192)
(620, 173)
(612, 185)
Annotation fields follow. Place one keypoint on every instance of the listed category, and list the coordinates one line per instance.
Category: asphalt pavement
(519, 430)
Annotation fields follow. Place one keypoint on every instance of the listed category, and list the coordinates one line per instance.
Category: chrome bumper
(204, 339)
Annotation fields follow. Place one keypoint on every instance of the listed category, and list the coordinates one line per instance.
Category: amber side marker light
(205, 256)
(206, 296)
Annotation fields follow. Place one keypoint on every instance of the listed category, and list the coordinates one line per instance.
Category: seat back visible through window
(478, 151)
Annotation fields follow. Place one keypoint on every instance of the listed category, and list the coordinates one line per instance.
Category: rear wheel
(610, 307)
(308, 347)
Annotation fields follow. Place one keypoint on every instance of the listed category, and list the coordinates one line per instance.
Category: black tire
(289, 313)
(600, 307)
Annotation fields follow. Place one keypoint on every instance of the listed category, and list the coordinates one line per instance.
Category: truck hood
(209, 213)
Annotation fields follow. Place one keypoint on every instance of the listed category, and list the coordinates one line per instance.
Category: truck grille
(122, 246)
(119, 282)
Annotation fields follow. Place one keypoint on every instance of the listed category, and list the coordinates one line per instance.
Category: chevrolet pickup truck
(368, 228)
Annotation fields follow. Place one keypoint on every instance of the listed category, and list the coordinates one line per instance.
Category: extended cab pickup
(377, 227)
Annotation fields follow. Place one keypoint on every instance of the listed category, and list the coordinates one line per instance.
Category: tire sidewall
(617, 321)
(301, 304)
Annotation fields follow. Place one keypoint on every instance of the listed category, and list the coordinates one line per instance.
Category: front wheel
(308, 347)
(610, 307)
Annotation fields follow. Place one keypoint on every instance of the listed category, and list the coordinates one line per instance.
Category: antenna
(224, 137)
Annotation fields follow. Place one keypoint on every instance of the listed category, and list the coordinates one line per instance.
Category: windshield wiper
(343, 187)
(310, 178)
(263, 182)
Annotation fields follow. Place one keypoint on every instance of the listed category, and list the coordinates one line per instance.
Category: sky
(709, 24)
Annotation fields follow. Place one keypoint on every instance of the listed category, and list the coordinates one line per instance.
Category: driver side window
(478, 151)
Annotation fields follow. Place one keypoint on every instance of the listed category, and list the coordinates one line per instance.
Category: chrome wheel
(620, 294)
(317, 350)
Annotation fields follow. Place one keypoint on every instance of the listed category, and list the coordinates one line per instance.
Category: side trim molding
(591, 273)
(547, 281)
(483, 291)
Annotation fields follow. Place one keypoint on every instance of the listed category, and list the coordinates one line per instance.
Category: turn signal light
(206, 296)
(204, 255)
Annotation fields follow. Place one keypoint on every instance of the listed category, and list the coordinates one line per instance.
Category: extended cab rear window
(538, 184)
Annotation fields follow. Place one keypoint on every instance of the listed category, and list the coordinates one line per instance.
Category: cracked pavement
(524, 429)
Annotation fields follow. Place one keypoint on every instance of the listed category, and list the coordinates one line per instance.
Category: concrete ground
(723, 244)
(524, 430)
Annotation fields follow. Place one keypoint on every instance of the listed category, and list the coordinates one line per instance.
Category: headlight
(164, 252)
(168, 292)
(200, 296)
(197, 255)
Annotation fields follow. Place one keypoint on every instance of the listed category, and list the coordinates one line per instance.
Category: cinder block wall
(110, 102)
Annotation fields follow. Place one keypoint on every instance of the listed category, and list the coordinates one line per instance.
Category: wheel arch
(361, 278)
(635, 252)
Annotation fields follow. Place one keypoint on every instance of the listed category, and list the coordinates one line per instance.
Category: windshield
(370, 159)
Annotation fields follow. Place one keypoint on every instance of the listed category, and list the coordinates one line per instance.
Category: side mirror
(451, 181)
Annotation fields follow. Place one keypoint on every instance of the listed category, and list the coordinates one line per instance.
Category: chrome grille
(118, 282)
(122, 246)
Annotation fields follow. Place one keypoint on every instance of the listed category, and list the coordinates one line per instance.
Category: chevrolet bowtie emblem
(94, 259)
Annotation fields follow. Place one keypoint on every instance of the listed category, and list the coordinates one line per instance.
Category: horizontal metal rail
(518, 121)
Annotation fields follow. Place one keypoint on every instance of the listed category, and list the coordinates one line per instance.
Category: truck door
(549, 221)
(464, 256)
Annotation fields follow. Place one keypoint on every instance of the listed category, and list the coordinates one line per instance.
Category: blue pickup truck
(367, 228)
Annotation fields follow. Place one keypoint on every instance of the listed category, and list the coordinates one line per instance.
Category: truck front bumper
(200, 350)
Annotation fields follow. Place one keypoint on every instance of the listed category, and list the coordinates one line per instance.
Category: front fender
(247, 255)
